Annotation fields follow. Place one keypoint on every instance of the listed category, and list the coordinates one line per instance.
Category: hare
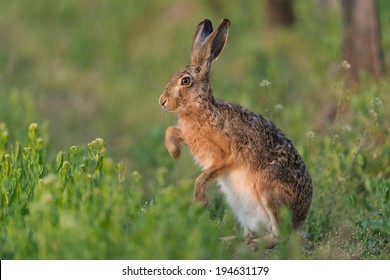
(255, 164)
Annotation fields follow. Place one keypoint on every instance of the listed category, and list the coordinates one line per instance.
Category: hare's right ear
(212, 46)
(202, 31)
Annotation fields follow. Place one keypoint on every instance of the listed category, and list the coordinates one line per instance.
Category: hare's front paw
(173, 149)
(200, 197)
(173, 140)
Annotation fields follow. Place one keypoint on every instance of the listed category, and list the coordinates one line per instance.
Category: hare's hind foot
(253, 240)
(173, 140)
(269, 241)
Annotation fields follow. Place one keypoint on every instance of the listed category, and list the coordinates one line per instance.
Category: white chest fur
(241, 197)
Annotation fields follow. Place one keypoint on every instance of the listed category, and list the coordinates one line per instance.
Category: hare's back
(253, 136)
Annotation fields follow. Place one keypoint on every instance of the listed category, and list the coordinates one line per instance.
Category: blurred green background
(96, 68)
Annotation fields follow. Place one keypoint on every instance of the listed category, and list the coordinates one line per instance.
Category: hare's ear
(202, 31)
(213, 45)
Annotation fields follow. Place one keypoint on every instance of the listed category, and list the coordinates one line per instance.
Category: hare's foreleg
(173, 140)
(204, 179)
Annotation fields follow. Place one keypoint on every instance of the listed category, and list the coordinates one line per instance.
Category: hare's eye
(185, 81)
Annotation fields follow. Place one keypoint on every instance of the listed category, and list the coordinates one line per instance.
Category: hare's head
(190, 88)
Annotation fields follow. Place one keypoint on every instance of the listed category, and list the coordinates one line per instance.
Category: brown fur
(224, 137)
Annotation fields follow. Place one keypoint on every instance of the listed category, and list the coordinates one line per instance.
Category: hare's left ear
(213, 46)
(202, 31)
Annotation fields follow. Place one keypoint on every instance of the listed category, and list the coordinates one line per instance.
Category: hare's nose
(163, 101)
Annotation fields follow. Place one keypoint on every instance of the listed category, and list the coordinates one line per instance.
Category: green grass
(96, 69)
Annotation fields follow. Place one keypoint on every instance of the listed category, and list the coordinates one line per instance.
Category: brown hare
(255, 164)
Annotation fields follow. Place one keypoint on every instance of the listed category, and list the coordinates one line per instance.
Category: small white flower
(373, 113)
(345, 65)
(310, 134)
(265, 83)
(279, 107)
(377, 102)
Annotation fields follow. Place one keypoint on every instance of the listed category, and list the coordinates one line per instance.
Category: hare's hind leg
(173, 140)
(273, 215)
(271, 238)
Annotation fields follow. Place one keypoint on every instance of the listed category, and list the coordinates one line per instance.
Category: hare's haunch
(255, 164)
